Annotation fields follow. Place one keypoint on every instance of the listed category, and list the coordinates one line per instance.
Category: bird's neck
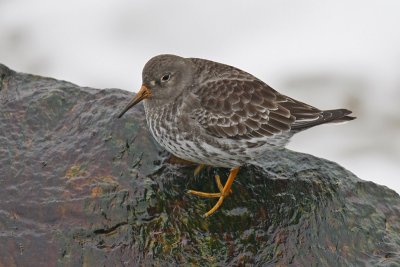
(155, 105)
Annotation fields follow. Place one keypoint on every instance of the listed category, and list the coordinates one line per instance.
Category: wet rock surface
(80, 187)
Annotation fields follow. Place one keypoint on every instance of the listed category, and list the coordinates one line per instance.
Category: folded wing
(245, 109)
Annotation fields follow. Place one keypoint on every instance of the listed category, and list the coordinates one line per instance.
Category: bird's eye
(166, 77)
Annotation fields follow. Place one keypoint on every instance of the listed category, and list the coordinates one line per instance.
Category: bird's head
(164, 77)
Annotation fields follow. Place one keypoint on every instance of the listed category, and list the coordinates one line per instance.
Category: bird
(214, 114)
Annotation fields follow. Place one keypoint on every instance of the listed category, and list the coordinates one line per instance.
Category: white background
(331, 54)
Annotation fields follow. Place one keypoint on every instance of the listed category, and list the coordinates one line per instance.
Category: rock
(81, 187)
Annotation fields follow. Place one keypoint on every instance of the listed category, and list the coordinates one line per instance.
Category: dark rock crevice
(90, 189)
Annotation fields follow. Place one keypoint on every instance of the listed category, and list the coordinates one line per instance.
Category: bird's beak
(143, 93)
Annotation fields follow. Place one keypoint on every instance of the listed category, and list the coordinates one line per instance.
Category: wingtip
(345, 116)
(344, 119)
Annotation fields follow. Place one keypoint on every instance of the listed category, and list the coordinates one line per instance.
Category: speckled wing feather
(242, 109)
(234, 104)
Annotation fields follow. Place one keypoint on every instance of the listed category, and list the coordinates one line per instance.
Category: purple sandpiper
(218, 115)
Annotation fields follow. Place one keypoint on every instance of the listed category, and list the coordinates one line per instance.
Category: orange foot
(224, 190)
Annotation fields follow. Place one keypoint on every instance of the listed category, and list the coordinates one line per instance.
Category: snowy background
(331, 54)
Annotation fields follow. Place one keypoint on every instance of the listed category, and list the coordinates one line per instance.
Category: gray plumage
(214, 114)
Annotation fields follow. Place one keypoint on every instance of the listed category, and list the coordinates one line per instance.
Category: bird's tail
(325, 116)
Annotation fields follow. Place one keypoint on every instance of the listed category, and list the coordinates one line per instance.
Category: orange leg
(224, 191)
(198, 169)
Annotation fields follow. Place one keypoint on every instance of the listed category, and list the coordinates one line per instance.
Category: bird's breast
(163, 123)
